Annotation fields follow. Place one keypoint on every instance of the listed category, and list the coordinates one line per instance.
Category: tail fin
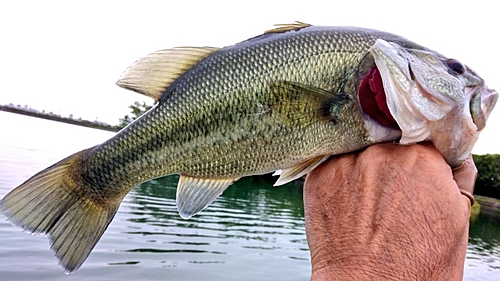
(53, 202)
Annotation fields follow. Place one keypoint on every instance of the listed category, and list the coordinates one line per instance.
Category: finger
(465, 176)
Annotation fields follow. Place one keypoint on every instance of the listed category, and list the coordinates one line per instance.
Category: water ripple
(251, 232)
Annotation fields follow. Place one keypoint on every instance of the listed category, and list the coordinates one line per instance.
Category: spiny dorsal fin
(282, 28)
(299, 170)
(152, 74)
(195, 194)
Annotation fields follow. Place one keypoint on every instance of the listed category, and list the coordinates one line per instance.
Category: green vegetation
(137, 110)
(488, 178)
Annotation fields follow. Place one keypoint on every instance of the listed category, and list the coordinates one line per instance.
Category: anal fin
(299, 170)
(195, 194)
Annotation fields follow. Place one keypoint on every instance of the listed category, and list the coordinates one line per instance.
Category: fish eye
(456, 66)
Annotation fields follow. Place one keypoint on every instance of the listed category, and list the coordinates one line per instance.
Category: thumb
(465, 176)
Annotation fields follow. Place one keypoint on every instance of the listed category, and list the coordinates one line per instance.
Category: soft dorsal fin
(152, 74)
(282, 28)
(299, 170)
(194, 194)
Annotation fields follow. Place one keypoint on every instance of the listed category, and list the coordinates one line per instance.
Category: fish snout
(481, 105)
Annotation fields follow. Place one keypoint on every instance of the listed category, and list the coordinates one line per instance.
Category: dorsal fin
(282, 28)
(152, 74)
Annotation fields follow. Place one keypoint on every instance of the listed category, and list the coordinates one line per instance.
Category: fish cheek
(373, 100)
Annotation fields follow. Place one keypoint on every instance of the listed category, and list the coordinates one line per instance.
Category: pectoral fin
(195, 194)
(299, 170)
(297, 101)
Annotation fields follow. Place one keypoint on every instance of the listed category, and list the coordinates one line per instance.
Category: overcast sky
(65, 56)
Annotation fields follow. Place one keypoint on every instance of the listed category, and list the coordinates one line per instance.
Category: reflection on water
(252, 232)
(483, 253)
(250, 218)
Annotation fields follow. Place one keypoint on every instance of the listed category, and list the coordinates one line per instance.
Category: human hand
(390, 212)
(465, 176)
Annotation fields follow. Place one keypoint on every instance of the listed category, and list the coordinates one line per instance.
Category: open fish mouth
(483, 100)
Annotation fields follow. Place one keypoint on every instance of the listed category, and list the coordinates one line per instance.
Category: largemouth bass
(282, 101)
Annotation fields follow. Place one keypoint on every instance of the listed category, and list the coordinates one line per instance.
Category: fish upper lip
(487, 100)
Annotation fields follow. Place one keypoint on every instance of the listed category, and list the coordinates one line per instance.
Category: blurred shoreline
(54, 117)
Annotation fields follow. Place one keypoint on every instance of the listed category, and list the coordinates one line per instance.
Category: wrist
(357, 267)
(429, 262)
(393, 247)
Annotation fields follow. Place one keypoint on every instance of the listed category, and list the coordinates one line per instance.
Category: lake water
(252, 232)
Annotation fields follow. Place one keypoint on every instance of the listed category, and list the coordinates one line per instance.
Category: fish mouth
(373, 100)
(482, 102)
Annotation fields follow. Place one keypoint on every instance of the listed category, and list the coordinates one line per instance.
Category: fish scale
(283, 101)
